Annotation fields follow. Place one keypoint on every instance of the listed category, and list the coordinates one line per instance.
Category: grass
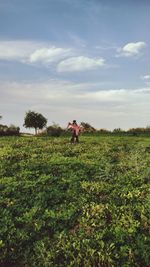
(75, 205)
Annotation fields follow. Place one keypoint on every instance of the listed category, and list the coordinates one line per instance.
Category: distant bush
(54, 130)
(9, 130)
(137, 131)
(88, 127)
(103, 131)
(118, 130)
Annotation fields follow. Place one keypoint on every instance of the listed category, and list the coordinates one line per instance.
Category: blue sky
(75, 59)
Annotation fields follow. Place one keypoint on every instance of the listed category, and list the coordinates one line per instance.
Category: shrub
(54, 130)
(9, 131)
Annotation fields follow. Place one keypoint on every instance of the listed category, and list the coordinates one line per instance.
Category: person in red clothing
(75, 131)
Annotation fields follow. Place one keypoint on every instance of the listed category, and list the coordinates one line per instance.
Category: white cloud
(32, 52)
(145, 77)
(62, 101)
(131, 49)
(105, 95)
(66, 91)
(80, 63)
(117, 95)
(49, 55)
(17, 50)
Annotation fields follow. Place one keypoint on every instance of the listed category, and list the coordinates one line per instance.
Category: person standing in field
(75, 128)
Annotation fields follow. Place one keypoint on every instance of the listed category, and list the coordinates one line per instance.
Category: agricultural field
(75, 205)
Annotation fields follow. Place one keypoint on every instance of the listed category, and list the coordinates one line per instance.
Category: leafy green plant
(74, 205)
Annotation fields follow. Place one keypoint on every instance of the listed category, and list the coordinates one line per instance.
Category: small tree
(54, 130)
(117, 130)
(87, 127)
(34, 120)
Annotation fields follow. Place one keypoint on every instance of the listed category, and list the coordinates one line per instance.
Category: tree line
(37, 121)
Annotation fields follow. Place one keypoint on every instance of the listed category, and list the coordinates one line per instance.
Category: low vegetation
(74, 205)
(9, 130)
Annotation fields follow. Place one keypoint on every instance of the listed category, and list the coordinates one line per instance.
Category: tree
(34, 120)
(9, 131)
(87, 127)
(54, 130)
(117, 130)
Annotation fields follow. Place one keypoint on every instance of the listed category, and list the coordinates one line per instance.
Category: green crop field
(75, 205)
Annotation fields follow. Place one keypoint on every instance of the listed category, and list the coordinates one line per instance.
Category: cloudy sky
(75, 59)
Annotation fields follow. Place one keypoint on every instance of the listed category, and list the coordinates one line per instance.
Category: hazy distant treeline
(9, 130)
(56, 130)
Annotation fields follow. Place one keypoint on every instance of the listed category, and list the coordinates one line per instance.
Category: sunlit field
(85, 204)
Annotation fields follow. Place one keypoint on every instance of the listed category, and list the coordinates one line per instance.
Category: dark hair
(74, 121)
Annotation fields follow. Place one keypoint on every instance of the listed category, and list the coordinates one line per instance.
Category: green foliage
(74, 205)
(34, 120)
(9, 131)
(54, 130)
(117, 130)
(139, 131)
(87, 127)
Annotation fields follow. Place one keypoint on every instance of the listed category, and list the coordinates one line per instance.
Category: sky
(75, 59)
